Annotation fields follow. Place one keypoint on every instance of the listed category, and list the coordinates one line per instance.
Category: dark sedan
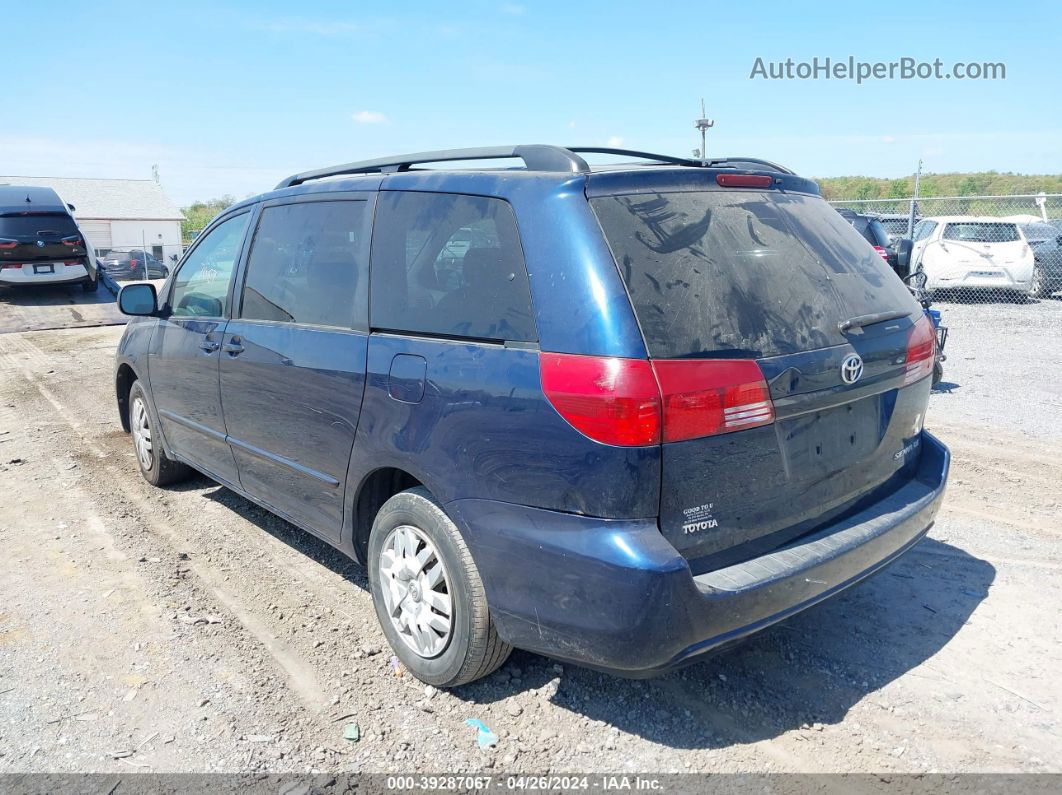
(133, 265)
(1045, 239)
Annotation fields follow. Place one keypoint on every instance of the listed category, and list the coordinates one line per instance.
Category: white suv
(973, 252)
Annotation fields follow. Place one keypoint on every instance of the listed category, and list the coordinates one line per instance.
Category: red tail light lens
(743, 181)
(921, 342)
(73, 241)
(10, 266)
(884, 254)
(635, 403)
(71, 264)
(6, 242)
(705, 397)
(613, 401)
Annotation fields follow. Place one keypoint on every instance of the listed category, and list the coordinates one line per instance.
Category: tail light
(636, 403)
(73, 241)
(614, 401)
(743, 181)
(133, 263)
(7, 243)
(705, 397)
(10, 266)
(921, 342)
(71, 264)
(884, 254)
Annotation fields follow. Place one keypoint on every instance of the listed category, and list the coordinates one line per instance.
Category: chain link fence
(972, 249)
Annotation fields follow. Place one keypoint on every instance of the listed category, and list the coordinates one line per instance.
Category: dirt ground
(188, 630)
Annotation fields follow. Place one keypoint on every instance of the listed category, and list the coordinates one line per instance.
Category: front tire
(157, 469)
(428, 594)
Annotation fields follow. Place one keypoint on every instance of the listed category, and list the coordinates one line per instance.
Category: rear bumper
(616, 596)
(62, 275)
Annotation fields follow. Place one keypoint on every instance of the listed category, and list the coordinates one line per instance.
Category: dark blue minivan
(620, 415)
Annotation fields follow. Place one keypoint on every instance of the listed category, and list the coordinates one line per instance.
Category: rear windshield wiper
(869, 320)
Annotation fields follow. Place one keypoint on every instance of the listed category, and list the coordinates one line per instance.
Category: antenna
(703, 124)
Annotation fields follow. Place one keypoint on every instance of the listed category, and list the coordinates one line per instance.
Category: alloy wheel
(141, 428)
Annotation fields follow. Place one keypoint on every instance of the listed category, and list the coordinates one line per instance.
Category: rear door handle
(209, 346)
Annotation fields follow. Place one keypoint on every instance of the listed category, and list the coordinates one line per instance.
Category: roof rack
(536, 157)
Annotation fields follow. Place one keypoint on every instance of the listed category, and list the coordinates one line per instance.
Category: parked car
(963, 252)
(619, 438)
(873, 231)
(1045, 239)
(134, 265)
(896, 224)
(40, 242)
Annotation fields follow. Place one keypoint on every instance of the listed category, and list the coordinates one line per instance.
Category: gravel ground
(187, 630)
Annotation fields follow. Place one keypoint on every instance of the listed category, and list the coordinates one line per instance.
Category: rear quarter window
(449, 265)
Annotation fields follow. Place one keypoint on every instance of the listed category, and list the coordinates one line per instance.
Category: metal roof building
(118, 214)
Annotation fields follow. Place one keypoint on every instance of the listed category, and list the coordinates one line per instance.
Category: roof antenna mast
(703, 124)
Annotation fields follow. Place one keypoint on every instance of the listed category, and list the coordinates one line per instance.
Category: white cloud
(615, 142)
(888, 139)
(514, 9)
(369, 117)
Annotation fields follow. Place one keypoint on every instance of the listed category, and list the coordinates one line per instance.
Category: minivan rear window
(743, 274)
(981, 232)
(37, 225)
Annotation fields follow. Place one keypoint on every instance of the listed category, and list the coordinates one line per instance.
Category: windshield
(743, 274)
(39, 225)
(981, 232)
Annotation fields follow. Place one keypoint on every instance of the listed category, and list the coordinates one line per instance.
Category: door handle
(209, 346)
(233, 347)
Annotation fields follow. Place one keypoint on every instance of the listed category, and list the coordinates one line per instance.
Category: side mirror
(903, 256)
(138, 300)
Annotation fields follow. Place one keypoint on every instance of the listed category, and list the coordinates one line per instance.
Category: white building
(118, 214)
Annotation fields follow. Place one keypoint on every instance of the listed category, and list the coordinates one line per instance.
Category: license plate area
(49, 268)
(829, 440)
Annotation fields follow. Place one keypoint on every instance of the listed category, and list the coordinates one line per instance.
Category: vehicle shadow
(306, 543)
(811, 669)
(946, 387)
(54, 295)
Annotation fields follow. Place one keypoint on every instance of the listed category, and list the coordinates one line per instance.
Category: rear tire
(1040, 288)
(417, 555)
(91, 285)
(155, 466)
(938, 373)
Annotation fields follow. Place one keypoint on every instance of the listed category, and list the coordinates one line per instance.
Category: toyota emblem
(851, 368)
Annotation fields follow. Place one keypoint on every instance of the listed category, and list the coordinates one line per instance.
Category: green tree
(198, 214)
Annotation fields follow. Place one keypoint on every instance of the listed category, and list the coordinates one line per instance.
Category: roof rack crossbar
(536, 157)
(607, 150)
(755, 162)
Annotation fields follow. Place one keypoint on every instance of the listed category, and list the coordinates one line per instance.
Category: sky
(230, 97)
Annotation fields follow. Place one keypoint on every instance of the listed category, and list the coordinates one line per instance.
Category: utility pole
(914, 201)
(155, 173)
(703, 124)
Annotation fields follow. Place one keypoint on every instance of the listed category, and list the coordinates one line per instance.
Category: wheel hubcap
(141, 433)
(416, 591)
